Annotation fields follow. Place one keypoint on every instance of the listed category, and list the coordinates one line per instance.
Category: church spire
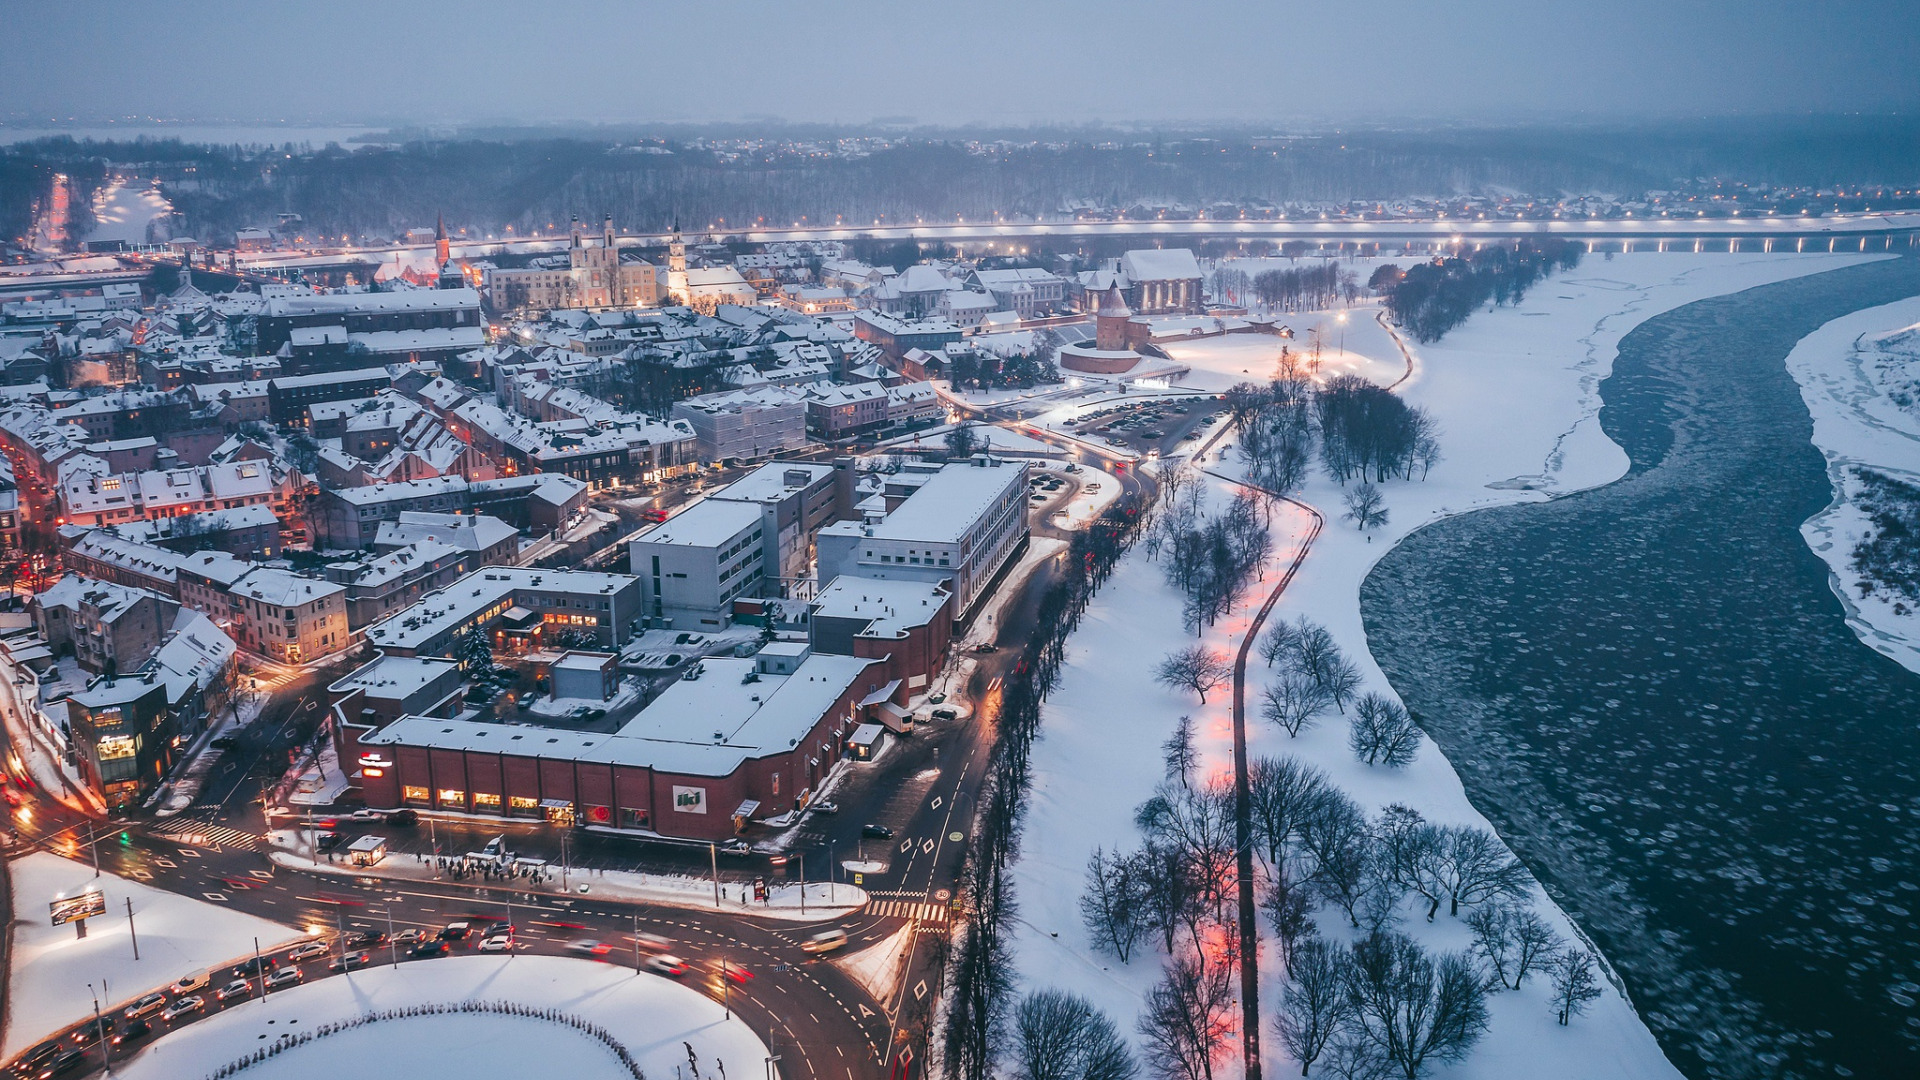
(442, 247)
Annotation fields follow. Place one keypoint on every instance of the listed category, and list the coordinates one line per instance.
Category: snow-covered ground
(1860, 378)
(651, 1016)
(47, 986)
(1217, 363)
(123, 212)
(1515, 392)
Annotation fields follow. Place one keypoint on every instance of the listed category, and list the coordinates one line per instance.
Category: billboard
(85, 906)
(689, 800)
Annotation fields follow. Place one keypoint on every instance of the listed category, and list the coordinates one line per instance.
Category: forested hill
(530, 182)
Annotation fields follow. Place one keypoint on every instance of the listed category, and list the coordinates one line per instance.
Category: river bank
(1653, 692)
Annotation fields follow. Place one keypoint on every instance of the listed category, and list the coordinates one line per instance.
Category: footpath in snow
(822, 900)
(654, 1018)
(1515, 393)
(47, 988)
(1860, 378)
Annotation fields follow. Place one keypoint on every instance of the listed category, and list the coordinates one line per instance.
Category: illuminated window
(453, 797)
(113, 747)
(483, 801)
(414, 794)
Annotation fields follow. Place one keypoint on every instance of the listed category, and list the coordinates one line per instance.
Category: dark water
(1650, 690)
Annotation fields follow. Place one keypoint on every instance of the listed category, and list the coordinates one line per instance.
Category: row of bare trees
(1212, 559)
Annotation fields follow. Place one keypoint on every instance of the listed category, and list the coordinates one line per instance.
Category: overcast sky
(978, 61)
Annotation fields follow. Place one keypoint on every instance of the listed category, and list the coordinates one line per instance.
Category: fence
(500, 1008)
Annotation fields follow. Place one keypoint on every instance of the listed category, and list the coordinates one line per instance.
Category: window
(776, 785)
(114, 747)
(486, 803)
(416, 795)
(453, 797)
(522, 805)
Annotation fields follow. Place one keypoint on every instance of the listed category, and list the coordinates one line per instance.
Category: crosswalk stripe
(212, 834)
(901, 909)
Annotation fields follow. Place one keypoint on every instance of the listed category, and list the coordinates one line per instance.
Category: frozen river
(1651, 690)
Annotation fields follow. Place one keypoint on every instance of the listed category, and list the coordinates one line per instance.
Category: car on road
(404, 817)
(825, 942)
(458, 930)
(983, 648)
(945, 714)
(735, 847)
(257, 965)
(736, 974)
(222, 742)
(823, 806)
(653, 943)
(410, 937)
(192, 1003)
(291, 976)
(350, 961)
(497, 943)
(187, 984)
(238, 988)
(427, 950)
(307, 950)
(64, 1062)
(589, 947)
(667, 964)
(93, 1031)
(877, 832)
(146, 1006)
(365, 813)
(327, 841)
(363, 939)
(132, 1031)
(40, 1055)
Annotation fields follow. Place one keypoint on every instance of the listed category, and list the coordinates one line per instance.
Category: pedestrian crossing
(906, 909)
(201, 834)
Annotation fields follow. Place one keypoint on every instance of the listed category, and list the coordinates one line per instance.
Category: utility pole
(313, 842)
(392, 945)
(803, 883)
(833, 876)
(259, 969)
(106, 1044)
(726, 998)
(713, 854)
(130, 932)
(563, 863)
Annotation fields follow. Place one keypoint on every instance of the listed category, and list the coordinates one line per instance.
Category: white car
(187, 984)
(309, 950)
(498, 943)
(182, 1007)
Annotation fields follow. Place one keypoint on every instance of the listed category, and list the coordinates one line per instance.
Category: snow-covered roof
(1160, 264)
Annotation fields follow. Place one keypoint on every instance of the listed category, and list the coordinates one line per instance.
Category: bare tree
(1338, 676)
(1199, 824)
(1179, 752)
(1466, 864)
(1113, 907)
(1187, 1019)
(1533, 943)
(1574, 983)
(1196, 668)
(1492, 926)
(1383, 733)
(1294, 701)
(1061, 1036)
(1314, 1005)
(1282, 794)
(1289, 909)
(1366, 507)
(1344, 864)
(1281, 641)
(1413, 1009)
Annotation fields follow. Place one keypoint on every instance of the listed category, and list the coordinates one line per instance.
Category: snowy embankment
(1515, 394)
(1860, 378)
(47, 988)
(654, 1018)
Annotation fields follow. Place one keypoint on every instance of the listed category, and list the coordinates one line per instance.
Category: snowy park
(1514, 394)
(654, 1019)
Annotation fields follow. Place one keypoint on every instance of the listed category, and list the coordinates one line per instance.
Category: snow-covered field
(1219, 362)
(1515, 392)
(651, 1016)
(1859, 375)
(47, 986)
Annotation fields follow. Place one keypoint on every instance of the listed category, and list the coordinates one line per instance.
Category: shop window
(521, 806)
(453, 798)
(599, 815)
(632, 818)
(416, 796)
(486, 803)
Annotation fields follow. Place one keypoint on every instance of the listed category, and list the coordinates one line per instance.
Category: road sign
(85, 906)
(859, 879)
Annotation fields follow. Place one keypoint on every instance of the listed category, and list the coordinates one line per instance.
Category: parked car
(291, 976)
(822, 806)
(945, 714)
(192, 1003)
(222, 742)
(877, 832)
(824, 942)
(427, 950)
(132, 1031)
(305, 951)
(404, 817)
(667, 964)
(735, 847)
(238, 988)
(187, 984)
(365, 813)
(146, 1006)
(327, 841)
